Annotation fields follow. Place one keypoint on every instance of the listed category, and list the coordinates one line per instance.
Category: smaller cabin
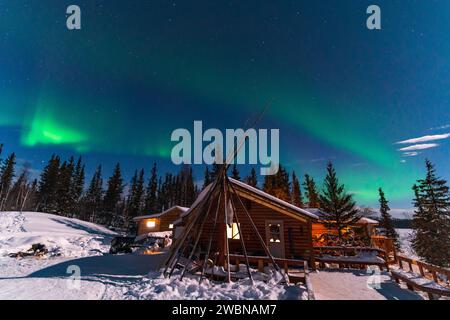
(159, 222)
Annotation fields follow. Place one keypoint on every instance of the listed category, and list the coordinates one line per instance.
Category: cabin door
(275, 238)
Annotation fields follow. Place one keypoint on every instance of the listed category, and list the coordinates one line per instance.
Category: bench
(347, 257)
(431, 279)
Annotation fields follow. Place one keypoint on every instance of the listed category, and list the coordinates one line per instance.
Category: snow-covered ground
(405, 236)
(82, 246)
(333, 284)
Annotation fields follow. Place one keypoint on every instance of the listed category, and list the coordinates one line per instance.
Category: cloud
(425, 138)
(419, 147)
(445, 126)
(411, 154)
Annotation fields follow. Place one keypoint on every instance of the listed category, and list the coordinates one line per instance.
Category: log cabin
(286, 229)
(160, 221)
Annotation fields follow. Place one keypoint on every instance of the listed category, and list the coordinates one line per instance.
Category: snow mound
(67, 236)
(157, 287)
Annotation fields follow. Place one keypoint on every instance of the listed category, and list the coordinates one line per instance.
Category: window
(233, 232)
(151, 224)
(274, 232)
(171, 226)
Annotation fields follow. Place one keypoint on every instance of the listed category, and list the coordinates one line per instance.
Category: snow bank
(157, 287)
(67, 236)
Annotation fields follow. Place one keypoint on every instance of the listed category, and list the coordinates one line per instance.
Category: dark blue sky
(115, 90)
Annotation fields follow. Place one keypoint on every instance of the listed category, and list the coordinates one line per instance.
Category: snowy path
(102, 277)
(335, 284)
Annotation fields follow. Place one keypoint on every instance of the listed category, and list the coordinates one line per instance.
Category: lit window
(171, 226)
(151, 224)
(233, 232)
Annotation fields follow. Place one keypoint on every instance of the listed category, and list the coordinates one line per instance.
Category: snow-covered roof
(365, 220)
(273, 199)
(157, 215)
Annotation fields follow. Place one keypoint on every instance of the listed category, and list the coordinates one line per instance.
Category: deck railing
(438, 274)
(386, 244)
(332, 254)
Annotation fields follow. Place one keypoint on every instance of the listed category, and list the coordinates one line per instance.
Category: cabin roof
(246, 189)
(365, 220)
(270, 198)
(157, 215)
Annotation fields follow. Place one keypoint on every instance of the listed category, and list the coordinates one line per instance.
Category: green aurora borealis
(138, 70)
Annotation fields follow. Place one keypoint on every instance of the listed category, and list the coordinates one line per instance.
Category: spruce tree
(94, 196)
(17, 192)
(64, 200)
(235, 173)
(311, 192)
(215, 171)
(136, 195)
(206, 178)
(112, 196)
(296, 192)
(185, 186)
(151, 195)
(252, 179)
(48, 185)
(7, 173)
(386, 224)
(77, 188)
(431, 221)
(337, 207)
(278, 184)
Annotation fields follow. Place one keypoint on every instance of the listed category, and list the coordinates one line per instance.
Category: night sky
(115, 90)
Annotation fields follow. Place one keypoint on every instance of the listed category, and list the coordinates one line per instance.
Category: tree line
(62, 189)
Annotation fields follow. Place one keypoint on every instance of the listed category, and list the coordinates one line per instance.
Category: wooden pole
(241, 237)
(197, 240)
(174, 257)
(227, 247)
(210, 240)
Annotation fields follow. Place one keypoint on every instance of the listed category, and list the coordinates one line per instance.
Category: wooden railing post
(260, 265)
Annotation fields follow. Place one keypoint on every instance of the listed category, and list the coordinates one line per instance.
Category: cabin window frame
(233, 231)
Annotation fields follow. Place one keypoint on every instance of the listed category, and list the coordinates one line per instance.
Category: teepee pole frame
(173, 259)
